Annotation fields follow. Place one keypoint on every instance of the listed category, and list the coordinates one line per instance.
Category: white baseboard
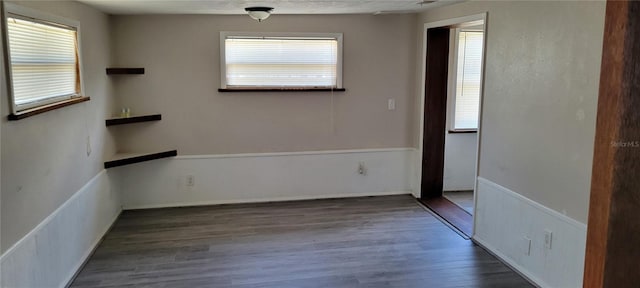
(299, 153)
(504, 217)
(51, 254)
(273, 199)
(243, 178)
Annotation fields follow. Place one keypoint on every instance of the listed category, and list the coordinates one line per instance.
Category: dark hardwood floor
(451, 213)
(464, 199)
(357, 242)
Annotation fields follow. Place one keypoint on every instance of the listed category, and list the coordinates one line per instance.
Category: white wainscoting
(52, 253)
(504, 218)
(262, 177)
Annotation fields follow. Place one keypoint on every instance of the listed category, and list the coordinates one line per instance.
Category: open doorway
(463, 107)
(454, 58)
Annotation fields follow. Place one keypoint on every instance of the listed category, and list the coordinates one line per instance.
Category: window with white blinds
(281, 62)
(468, 76)
(44, 61)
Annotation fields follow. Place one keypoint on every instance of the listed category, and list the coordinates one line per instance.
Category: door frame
(421, 99)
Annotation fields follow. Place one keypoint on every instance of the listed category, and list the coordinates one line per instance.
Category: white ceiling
(281, 6)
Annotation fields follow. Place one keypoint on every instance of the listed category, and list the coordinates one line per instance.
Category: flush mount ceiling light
(259, 13)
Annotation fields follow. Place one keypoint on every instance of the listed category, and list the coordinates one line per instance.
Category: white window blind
(281, 62)
(469, 69)
(44, 62)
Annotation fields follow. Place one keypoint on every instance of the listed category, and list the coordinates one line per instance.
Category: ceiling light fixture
(259, 13)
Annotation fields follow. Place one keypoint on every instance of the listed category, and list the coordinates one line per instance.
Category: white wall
(504, 218)
(181, 82)
(51, 253)
(541, 88)
(460, 161)
(181, 57)
(44, 157)
(264, 177)
(57, 200)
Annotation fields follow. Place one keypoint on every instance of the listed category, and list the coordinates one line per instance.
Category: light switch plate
(391, 104)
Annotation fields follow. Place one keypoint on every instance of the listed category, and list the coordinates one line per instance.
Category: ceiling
(281, 6)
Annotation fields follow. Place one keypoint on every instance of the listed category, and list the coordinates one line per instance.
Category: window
(468, 68)
(43, 59)
(281, 61)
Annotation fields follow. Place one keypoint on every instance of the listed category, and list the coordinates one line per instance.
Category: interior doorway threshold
(452, 213)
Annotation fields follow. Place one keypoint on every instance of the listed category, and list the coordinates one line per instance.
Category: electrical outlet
(548, 239)
(391, 104)
(191, 181)
(526, 245)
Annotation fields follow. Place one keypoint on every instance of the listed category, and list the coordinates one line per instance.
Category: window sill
(462, 131)
(38, 110)
(282, 89)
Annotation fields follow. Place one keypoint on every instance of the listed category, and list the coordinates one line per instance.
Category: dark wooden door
(435, 112)
(613, 235)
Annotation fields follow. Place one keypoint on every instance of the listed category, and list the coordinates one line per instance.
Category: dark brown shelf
(282, 90)
(133, 119)
(132, 158)
(125, 71)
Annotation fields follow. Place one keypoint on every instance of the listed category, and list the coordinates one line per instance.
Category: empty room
(390, 143)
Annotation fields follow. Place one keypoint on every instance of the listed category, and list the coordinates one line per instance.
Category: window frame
(28, 14)
(223, 62)
(453, 75)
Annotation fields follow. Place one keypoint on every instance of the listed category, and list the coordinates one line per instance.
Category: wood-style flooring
(464, 199)
(452, 213)
(357, 242)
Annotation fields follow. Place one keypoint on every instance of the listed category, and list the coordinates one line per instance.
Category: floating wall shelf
(122, 159)
(133, 119)
(125, 71)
